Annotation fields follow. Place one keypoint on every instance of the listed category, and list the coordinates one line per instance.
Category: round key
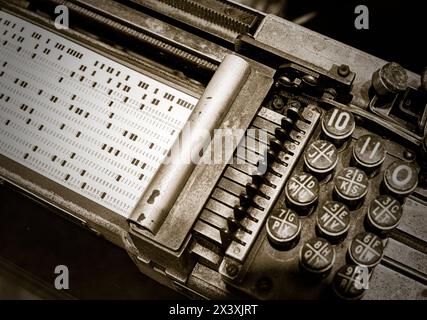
(401, 178)
(338, 125)
(384, 213)
(333, 219)
(283, 227)
(369, 151)
(351, 185)
(317, 255)
(389, 79)
(321, 157)
(366, 249)
(302, 190)
(350, 282)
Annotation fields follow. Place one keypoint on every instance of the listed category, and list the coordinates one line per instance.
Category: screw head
(343, 70)
(231, 269)
(330, 93)
(278, 103)
(408, 155)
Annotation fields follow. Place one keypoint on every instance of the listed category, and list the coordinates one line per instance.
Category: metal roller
(163, 190)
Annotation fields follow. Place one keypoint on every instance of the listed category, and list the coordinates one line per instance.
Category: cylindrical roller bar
(164, 189)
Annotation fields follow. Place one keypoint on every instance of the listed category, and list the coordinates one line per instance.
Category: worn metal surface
(170, 255)
(158, 29)
(386, 284)
(158, 199)
(414, 220)
(204, 177)
(406, 255)
(218, 17)
(323, 51)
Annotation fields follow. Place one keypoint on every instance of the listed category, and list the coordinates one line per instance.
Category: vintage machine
(115, 121)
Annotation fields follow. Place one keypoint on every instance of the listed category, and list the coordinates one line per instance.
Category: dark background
(33, 240)
(397, 28)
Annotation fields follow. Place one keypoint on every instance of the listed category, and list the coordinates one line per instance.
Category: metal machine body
(325, 126)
